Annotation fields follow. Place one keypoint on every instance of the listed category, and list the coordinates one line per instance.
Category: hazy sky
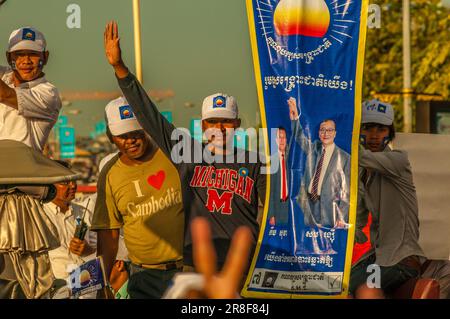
(194, 48)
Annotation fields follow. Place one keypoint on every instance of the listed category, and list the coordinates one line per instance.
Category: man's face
(281, 140)
(216, 130)
(376, 136)
(133, 144)
(27, 64)
(327, 132)
(65, 192)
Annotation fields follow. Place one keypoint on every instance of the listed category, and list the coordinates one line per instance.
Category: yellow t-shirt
(146, 201)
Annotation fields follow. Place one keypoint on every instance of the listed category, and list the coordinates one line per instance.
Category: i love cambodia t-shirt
(146, 201)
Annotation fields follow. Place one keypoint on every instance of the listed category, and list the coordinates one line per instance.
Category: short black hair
(328, 120)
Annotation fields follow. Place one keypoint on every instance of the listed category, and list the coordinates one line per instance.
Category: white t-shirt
(61, 259)
(38, 108)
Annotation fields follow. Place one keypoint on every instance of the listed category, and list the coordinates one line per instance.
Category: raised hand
(112, 44)
(293, 112)
(223, 285)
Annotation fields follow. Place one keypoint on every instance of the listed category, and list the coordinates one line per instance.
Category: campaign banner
(308, 57)
(87, 278)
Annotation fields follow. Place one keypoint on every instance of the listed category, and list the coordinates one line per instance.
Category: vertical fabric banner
(308, 57)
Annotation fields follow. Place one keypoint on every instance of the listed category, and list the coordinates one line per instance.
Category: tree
(430, 52)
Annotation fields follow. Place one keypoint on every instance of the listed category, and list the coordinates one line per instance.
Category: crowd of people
(159, 215)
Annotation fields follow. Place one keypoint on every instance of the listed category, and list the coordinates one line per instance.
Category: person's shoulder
(397, 154)
(110, 167)
(107, 159)
(251, 157)
(341, 152)
(49, 207)
(45, 90)
(43, 84)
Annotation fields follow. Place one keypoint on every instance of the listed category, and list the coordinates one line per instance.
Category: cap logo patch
(381, 108)
(219, 101)
(243, 171)
(28, 34)
(125, 112)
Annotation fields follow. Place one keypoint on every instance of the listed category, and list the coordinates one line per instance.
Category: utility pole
(407, 90)
(137, 39)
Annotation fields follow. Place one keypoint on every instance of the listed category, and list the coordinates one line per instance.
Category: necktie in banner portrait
(314, 190)
(284, 191)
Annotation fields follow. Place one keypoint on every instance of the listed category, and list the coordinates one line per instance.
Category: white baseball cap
(375, 111)
(27, 38)
(120, 117)
(219, 105)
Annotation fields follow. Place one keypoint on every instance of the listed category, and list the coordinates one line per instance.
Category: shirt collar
(26, 85)
(56, 210)
(122, 293)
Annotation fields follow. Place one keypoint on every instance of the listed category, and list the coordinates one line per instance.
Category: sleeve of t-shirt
(106, 215)
(41, 102)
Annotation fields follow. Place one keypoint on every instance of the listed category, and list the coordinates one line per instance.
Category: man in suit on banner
(279, 182)
(324, 189)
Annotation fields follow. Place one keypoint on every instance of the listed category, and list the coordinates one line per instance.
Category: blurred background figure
(66, 215)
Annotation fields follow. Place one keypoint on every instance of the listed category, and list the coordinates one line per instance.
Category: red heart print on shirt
(157, 179)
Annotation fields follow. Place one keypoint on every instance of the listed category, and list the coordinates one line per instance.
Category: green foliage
(430, 52)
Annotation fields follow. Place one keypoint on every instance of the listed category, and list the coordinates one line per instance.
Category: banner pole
(137, 39)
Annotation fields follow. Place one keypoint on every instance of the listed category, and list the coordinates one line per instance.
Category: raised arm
(297, 130)
(146, 112)
(388, 163)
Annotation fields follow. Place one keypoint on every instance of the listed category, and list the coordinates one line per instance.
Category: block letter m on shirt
(218, 202)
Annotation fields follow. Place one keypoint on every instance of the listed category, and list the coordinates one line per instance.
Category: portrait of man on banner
(279, 195)
(324, 190)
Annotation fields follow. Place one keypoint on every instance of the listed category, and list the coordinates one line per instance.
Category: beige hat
(219, 105)
(27, 38)
(120, 117)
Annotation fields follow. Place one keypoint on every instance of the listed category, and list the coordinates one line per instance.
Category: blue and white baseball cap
(27, 38)
(120, 117)
(219, 105)
(375, 111)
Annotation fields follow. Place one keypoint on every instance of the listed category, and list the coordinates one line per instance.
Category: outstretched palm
(112, 44)
(293, 112)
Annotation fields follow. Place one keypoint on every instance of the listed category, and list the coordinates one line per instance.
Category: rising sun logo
(283, 21)
(295, 17)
